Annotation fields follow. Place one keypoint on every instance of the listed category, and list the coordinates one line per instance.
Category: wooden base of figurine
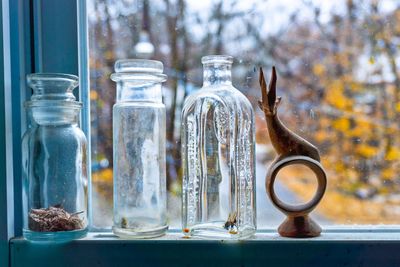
(298, 223)
(300, 227)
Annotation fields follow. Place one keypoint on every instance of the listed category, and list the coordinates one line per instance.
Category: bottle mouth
(52, 86)
(59, 77)
(217, 59)
(138, 69)
(139, 65)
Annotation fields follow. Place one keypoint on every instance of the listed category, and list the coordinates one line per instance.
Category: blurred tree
(339, 74)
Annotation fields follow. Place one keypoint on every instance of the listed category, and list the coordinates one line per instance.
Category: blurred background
(338, 66)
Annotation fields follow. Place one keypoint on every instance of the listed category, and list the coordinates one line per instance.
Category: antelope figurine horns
(269, 102)
(285, 142)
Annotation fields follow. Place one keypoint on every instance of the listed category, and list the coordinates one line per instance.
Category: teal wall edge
(4, 230)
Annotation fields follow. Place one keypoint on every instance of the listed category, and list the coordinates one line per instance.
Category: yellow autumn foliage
(321, 136)
(366, 150)
(356, 132)
(324, 122)
(93, 95)
(109, 55)
(105, 175)
(392, 154)
(339, 167)
(336, 97)
(318, 69)
(341, 124)
(361, 129)
(388, 174)
(355, 86)
(371, 60)
(398, 107)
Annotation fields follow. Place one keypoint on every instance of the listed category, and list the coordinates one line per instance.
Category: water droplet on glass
(312, 114)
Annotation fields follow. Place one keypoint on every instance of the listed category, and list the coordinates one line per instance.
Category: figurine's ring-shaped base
(302, 209)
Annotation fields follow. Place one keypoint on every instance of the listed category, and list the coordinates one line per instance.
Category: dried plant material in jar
(124, 223)
(54, 219)
(231, 223)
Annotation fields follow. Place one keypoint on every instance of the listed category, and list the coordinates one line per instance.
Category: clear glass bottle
(54, 161)
(218, 153)
(139, 150)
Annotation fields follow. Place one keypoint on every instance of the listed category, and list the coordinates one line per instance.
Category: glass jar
(218, 140)
(139, 150)
(54, 161)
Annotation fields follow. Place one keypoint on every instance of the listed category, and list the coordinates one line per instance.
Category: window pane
(338, 75)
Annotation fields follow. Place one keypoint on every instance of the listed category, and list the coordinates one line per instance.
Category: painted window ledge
(335, 247)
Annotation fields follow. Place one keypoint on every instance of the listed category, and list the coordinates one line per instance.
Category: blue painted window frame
(36, 36)
(51, 36)
(15, 57)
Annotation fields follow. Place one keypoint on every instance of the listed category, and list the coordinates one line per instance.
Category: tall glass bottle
(218, 157)
(139, 150)
(54, 161)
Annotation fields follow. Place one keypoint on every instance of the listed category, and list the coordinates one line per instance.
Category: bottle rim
(57, 77)
(129, 76)
(138, 69)
(217, 59)
(138, 66)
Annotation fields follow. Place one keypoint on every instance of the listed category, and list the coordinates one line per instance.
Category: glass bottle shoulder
(139, 104)
(224, 94)
(50, 133)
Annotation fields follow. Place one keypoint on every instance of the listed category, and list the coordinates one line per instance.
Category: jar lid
(52, 86)
(138, 69)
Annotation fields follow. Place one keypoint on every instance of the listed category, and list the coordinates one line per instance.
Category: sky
(279, 11)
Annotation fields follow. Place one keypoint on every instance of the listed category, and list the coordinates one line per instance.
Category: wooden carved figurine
(291, 149)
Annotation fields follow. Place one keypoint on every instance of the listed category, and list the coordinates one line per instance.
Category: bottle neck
(139, 91)
(53, 115)
(217, 74)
